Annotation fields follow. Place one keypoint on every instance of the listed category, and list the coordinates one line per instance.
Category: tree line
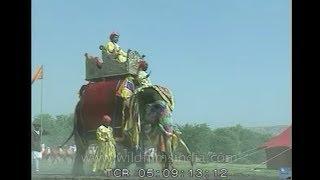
(200, 138)
(226, 141)
(58, 128)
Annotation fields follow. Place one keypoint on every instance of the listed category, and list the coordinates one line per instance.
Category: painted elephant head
(155, 105)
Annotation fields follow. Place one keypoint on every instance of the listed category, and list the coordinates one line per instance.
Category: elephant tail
(72, 133)
(74, 126)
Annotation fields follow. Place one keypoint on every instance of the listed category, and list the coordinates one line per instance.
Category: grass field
(200, 171)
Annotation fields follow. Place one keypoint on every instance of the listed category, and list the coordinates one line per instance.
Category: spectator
(36, 146)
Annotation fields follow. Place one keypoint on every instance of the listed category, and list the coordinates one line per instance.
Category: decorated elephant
(98, 99)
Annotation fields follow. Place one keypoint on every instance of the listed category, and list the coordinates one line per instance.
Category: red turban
(106, 119)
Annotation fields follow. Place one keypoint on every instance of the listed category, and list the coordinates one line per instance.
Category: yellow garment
(166, 95)
(106, 152)
(114, 50)
(132, 124)
(175, 141)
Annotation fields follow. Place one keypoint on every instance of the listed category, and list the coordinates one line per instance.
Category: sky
(226, 62)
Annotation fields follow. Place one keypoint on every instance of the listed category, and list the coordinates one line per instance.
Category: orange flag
(38, 74)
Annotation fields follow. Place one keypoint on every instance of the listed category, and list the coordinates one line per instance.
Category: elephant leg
(64, 158)
(54, 159)
(141, 164)
(162, 159)
(165, 151)
(168, 152)
(78, 163)
(81, 150)
(117, 117)
(123, 158)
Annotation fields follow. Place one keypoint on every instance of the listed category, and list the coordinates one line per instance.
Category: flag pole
(41, 106)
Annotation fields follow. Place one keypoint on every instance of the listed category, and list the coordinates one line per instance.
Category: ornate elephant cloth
(132, 124)
(125, 88)
(105, 153)
(166, 95)
(164, 92)
(124, 91)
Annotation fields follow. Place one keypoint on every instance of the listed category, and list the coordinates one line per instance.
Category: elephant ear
(166, 95)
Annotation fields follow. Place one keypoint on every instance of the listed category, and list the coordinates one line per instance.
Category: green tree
(59, 128)
(197, 137)
(229, 141)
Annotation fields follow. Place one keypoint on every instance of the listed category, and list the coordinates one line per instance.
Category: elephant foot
(119, 139)
(98, 173)
(192, 163)
(141, 165)
(77, 172)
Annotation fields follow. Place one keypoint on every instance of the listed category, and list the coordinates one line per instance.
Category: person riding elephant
(112, 50)
(143, 80)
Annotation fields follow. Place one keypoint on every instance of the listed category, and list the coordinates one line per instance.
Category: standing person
(143, 78)
(36, 147)
(113, 50)
(105, 153)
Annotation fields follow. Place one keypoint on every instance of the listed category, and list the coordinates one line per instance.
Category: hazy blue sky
(226, 61)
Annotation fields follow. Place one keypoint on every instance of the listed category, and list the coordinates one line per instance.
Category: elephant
(98, 99)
